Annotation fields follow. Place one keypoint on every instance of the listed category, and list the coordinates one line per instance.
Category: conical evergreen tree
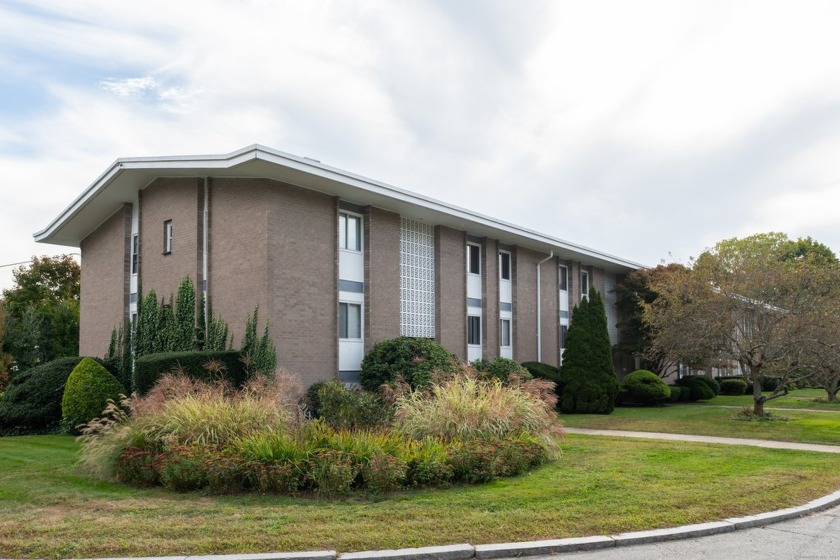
(587, 370)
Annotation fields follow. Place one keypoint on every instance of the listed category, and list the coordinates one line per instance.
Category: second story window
(564, 278)
(167, 237)
(134, 247)
(473, 259)
(349, 231)
(504, 265)
(584, 284)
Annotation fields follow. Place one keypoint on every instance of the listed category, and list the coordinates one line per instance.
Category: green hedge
(733, 386)
(32, 401)
(645, 387)
(699, 387)
(148, 369)
(501, 369)
(542, 370)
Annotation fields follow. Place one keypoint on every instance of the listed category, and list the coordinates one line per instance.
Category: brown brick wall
(451, 290)
(382, 275)
(525, 307)
(490, 298)
(106, 256)
(177, 200)
(598, 279)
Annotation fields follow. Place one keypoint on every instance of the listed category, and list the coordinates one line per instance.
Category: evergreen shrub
(207, 366)
(86, 393)
(348, 409)
(645, 387)
(676, 393)
(696, 388)
(541, 370)
(733, 386)
(501, 369)
(32, 400)
(411, 359)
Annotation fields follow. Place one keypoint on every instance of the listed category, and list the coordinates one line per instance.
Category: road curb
(533, 548)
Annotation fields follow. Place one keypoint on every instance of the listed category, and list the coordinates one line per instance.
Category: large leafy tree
(590, 385)
(42, 312)
(634, 293)
(754, 302)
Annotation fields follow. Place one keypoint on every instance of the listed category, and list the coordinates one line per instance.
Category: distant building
(335, 261)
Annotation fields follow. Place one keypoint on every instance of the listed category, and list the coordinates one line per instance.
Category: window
(349, 320)
(134, 247)
(473, 259)
(167, 237)
(564, 332)
(564, 278)
(474, 330)
(584, 284)
(504, 265)
(349, 231)
(504, 332)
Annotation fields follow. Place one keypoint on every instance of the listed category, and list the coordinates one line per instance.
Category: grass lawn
(713, 418)
(599, 486)
(814, 399)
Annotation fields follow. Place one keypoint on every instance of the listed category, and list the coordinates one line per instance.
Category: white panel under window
(610, 299)
(417, 279)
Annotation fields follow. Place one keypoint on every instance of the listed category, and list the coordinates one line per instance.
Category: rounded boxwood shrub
(86, 393)
(676, 393)
(645, 387)
(413, 359)
(733, 386)
(501, 369)
(32, 401)
(697, 388)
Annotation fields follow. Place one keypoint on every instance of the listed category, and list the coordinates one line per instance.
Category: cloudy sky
(648, 130)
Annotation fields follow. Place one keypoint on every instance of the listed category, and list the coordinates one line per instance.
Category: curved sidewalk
(708, 439)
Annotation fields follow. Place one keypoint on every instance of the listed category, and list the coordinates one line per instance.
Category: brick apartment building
(335, 261)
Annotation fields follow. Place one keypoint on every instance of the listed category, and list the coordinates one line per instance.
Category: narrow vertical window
(134, 247)
(504, 265)
(349, 320)
(564, 331)
(504, 332)
(564, 278)
(473, 259)
(167, 237)
(349, 231)
(474, 330)
(584, 284)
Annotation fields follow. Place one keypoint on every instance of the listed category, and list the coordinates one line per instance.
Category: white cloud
(129, 87)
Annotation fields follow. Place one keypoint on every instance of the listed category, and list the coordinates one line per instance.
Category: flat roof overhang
(126, 176)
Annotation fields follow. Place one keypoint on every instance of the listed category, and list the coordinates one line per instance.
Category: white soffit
(126, 176)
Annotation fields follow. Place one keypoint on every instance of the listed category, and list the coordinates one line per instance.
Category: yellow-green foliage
(86, 393)
(469, 408)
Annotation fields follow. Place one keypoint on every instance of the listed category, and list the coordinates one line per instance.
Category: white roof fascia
(204, 164)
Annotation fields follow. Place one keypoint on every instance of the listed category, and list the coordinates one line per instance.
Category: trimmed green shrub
(412, 359)
(733, 386)
(311, 400)
(645, 387)
(87, 392)
(347, 409)
(207, 366)
(710, 382)
(676, 393)
(770, 383)
(696, 388)
(32, 400)
(501, 369)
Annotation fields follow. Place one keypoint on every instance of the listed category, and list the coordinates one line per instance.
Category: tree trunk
(758, 398)
(831, 388)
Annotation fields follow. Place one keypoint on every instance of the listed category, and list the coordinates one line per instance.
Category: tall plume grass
(470, 408)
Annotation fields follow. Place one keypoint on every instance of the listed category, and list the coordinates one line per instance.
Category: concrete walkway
(708, 439)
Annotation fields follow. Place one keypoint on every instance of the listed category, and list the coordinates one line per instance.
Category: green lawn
(599, 486)
(814, 399)
(713, 418)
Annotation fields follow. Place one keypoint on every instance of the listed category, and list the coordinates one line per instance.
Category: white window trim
(584, 286)
(510, 265)
(361, 231)
(479, 331)
(469, 260)
(168, 236)
(361, 321)
(510, 332)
